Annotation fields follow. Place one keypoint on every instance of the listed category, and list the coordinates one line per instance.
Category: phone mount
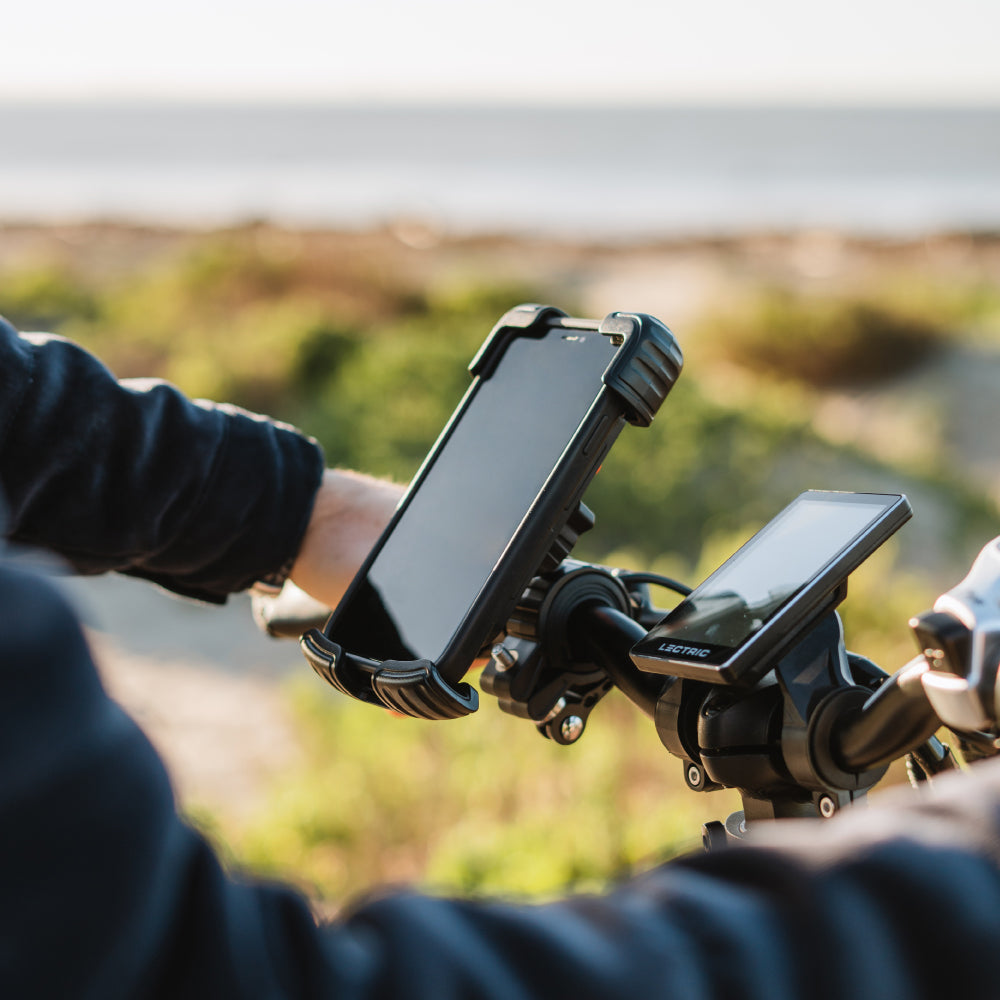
(538, 673)
(416, 688)
(639, 377)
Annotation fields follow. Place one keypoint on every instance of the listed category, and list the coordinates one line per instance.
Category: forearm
(349, 514)
(133, 477)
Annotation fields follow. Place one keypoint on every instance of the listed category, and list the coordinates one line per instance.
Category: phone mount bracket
(416, 687)
(413, 687)
(540, 672)
(641, 374)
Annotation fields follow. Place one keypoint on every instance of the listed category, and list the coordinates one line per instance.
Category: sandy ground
(203, 684)
(224, 739)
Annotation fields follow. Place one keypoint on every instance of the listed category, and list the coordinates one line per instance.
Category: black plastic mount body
(813, 734)
(779, 743)
(636, 382)
(567, 645)
(537, 673)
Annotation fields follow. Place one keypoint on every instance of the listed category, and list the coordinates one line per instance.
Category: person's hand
(349, 514)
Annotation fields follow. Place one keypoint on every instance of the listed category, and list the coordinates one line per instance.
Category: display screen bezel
(666, 651)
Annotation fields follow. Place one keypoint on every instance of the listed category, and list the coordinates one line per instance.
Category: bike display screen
(481, 481)
(766, 588)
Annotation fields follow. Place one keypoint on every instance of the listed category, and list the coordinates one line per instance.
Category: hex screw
(827, 807)
(571, 728)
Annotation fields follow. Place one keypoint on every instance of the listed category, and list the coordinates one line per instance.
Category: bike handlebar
(608, 634)
(954, 681)
(895, 720)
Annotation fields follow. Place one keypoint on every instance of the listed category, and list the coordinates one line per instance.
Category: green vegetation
(47, 297)
(822, 341)
(848, 338)
(969, 307)
(372, 365)
(481, 805)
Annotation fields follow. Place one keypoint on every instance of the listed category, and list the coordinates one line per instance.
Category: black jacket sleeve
(132, 476)
(104, 893)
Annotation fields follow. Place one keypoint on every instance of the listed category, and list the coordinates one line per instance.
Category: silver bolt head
(694, 776)
(827, 807)
(571, 728)
(503, 658)
(554, 711)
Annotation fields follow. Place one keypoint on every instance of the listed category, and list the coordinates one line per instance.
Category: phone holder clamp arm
(646, 367)
(642, 373)
(567, 644)
(413, 688)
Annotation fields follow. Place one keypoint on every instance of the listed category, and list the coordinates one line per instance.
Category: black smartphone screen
(473, 495)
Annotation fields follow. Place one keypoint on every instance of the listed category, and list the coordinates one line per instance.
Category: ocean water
(594, 172)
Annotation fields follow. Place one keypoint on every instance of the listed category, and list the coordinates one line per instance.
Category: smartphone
(733, 627)
(548, 398)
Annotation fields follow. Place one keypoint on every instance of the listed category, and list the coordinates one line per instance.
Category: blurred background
(318, 210)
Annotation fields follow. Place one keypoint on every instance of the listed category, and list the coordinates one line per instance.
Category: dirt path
(224, 738)
(201, 681)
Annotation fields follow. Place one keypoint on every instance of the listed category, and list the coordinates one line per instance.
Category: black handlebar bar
(608, 634)
(894, 721)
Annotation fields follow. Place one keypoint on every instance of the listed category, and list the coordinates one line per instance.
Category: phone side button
(595, 435)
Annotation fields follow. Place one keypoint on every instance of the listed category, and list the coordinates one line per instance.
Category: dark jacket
(131, 476)
(105, 893)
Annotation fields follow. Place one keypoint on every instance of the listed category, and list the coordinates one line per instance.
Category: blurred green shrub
(819, 340)
(47, 297)
(339, 345)
(484, 804)
(969, 307)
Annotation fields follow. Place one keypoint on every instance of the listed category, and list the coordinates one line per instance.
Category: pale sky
(534, 51)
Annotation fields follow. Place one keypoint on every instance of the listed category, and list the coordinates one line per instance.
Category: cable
(655, 578)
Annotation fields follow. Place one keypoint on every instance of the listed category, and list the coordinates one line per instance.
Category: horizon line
(402, 103)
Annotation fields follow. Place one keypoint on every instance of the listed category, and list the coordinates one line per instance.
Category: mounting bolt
(695, 776)
(553, 712)
(503, 658)
(572, 728)
(827, 807)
